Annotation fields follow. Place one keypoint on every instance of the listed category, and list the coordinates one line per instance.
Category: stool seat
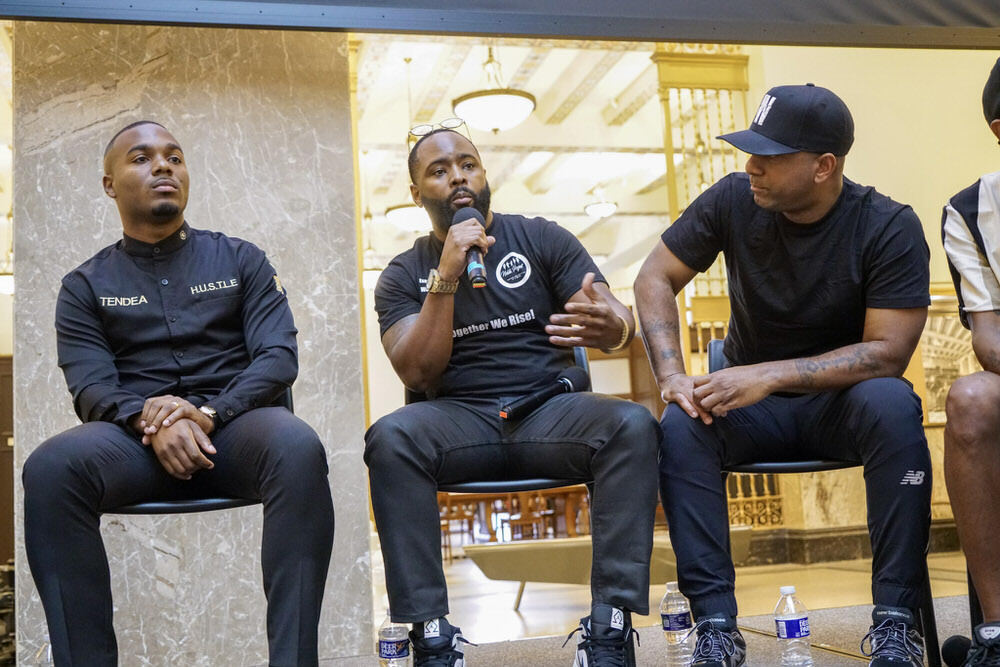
(779, 467)
(183, 506)
(507, 486)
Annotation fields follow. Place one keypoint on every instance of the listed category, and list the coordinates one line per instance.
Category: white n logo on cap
(763, 109)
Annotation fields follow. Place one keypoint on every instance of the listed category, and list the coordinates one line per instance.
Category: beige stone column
(264, 117)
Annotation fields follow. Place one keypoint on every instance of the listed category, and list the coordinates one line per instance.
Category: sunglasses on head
(422, 130)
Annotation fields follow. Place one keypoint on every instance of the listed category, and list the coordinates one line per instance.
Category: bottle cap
(671, 586)
(788, 590)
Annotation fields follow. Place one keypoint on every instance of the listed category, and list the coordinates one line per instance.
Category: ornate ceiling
(597, 131)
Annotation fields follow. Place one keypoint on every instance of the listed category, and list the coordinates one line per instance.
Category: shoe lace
(892, 639)
(605, 652)
(984, 655)
(713, 643)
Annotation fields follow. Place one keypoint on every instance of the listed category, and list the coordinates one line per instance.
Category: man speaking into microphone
(474, 351)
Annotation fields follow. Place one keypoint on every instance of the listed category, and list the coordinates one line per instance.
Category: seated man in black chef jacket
(175, 343)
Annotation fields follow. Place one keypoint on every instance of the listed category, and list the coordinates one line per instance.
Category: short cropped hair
(107, 149)
(411, 161)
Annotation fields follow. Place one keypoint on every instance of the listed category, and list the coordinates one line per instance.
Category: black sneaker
(719, 644)
(985, 651)
(438, 643)
(605, 638)
(893, 639)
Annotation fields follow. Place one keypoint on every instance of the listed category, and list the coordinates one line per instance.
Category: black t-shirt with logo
(499, 344)
(199, 315)
(801, 290)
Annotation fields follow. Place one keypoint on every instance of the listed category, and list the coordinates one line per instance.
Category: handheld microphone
(476, 270)
(955, 650)
(571, 379)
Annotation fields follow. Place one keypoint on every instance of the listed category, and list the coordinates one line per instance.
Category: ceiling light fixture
(371, 271)
(497, 107)
(598, 210)
(408, 217)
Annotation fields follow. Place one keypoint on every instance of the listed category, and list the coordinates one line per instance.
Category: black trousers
(267, 454)
(580, 436)
(877, 423)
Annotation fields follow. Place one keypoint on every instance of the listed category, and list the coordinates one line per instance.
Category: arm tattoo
(667, 328)
(858, 359)
(667, 325)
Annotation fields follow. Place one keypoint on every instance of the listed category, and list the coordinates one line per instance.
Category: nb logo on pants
(913, 477)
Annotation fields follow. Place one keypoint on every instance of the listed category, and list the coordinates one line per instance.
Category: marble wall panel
(833, 499)
(940, 503)
(264, 120)
(837, 499)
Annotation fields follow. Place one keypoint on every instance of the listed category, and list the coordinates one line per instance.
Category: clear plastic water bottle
(791, 621)
(675, 612)
(393, 644)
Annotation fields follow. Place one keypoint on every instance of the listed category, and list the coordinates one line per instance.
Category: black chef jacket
(198, 315)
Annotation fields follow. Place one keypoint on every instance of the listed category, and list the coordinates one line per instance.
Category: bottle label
(393, 648)
(792, 628)
(676, 622)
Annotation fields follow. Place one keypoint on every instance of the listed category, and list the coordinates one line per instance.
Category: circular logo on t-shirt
(513, 270)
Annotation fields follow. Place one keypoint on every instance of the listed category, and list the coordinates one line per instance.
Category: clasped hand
(591, 323)
(178, 433)
(715, 394)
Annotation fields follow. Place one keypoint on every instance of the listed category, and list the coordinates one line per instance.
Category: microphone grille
(468, 213)
(577, 378)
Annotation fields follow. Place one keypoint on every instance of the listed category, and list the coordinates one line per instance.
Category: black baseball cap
(991, 94)
(797, 118)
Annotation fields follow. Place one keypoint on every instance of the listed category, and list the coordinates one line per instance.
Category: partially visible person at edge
(970, 229)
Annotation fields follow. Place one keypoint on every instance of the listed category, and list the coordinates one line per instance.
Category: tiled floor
(484, 608)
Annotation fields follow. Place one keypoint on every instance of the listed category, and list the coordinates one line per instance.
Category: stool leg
(929, 624)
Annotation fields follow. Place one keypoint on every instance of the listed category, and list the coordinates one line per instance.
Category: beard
(164, 210)
(441, 211)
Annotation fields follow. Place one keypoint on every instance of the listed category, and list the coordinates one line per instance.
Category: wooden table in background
(572, 497)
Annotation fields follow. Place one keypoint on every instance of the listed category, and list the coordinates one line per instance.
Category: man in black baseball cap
(828, 283)
(970, 229)
(791, 119)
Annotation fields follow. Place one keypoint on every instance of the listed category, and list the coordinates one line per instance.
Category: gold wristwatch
(209, 412)
(438, 285)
